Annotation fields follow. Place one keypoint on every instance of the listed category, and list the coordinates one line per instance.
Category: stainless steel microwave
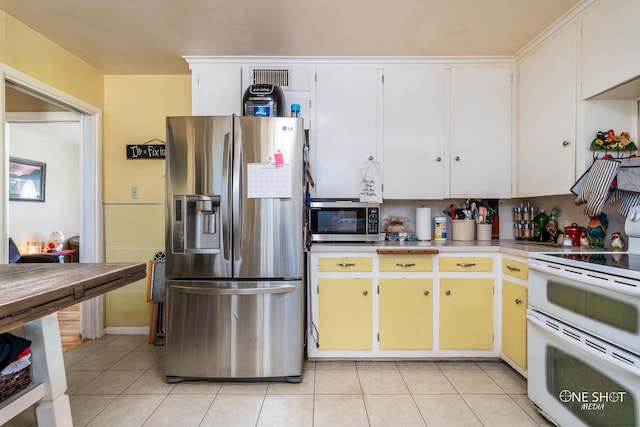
(343, 220)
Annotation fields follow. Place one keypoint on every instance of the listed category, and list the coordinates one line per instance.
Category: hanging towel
(629, 174)
(370, 182)
(628, 199)
(594, 187)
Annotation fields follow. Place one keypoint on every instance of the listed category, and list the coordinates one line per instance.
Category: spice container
(517, 214)
(517, 231)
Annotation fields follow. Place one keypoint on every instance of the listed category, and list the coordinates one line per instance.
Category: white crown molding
(317, 60)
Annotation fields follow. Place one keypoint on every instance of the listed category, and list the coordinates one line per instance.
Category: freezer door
(268, 207)
(234, 330)
(198, 185)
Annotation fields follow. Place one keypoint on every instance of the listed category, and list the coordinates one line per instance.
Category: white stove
(583, 334)
(622, 264)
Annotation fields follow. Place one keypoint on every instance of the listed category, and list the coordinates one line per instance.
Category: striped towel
(628, 199)
(596, 187)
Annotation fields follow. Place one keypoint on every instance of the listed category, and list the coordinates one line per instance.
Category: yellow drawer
(406, 263)
(345, 264)
(515, 269)
(470, 264)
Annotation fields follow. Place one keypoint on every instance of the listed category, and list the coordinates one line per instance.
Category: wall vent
(278, 77)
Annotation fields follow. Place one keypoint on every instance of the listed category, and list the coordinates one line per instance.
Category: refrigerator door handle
(237, 188)
(225, 204)
(235, 291)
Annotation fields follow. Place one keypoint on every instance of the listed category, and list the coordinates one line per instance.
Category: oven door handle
(587, 279)
(605, 357)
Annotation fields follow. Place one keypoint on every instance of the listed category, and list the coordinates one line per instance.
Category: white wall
(57, 145)
(569, 212)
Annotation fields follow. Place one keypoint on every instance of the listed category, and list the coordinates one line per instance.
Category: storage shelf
(20, 401)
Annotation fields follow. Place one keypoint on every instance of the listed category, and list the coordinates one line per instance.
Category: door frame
(92, 214)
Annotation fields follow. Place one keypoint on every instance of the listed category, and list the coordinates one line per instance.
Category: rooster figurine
(584, 240)
(617, 244)
(597, 230)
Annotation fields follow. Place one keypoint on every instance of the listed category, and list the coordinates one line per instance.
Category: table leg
(48, 368)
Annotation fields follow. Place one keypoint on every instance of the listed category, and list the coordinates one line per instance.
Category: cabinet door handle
(510, 268)
(565, 143)
(448, 292)
(471, 264)
(518, 301)
(365, 292)
(457, 158)
(404, 264)
(345, 264)
(438, 159)
(426, 293)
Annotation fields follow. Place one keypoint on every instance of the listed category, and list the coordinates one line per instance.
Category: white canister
(440, 228)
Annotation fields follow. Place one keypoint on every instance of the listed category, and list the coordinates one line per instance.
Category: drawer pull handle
(470, 264)
(518, 301)
(404, 264)
(365, 292)
(448, 292)
(426, 293)
(345, 264)
(510, 268)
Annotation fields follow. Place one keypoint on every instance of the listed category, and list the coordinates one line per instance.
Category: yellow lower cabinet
(405, 314)
(345, 311)
(514, 322)
(466, 314)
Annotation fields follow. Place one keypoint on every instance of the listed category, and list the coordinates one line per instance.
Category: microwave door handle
(225, 205)
(605, 357)
(590, 280)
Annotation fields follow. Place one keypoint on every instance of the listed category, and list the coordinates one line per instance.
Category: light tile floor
(119, 381)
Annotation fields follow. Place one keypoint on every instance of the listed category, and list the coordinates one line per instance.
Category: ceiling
(151, 36)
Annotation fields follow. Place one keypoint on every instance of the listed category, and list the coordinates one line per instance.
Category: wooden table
(31, 295)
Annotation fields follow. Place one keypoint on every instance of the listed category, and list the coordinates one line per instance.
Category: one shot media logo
(592, 400)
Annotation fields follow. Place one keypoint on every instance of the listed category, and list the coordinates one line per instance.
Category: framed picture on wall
(26, 180)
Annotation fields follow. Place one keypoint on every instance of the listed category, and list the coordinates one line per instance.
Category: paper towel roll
(423, 223)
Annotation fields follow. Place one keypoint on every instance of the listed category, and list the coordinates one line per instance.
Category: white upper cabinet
(345, 133)
(216, 89)
(414, 132)
(481, 129)
(609, 47)
(547, 99)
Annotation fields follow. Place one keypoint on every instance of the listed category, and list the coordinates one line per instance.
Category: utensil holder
(462, 229)
(484, 231)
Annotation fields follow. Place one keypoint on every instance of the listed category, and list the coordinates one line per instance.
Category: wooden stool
(156, 296)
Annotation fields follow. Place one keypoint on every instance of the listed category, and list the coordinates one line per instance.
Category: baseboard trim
(127, 330)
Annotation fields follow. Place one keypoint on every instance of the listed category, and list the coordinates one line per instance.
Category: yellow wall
(135, 109)
(29, 52)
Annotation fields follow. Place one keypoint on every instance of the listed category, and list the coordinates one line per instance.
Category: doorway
(25, 94)
(52, 138)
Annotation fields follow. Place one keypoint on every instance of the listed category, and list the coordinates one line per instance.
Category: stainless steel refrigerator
(234, 248)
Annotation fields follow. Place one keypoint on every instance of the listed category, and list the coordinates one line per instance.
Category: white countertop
(520, 248)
